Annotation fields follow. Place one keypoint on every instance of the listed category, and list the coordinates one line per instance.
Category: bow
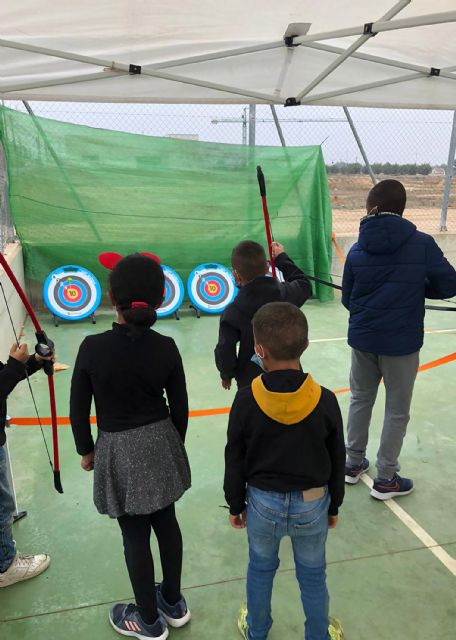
(43, 348)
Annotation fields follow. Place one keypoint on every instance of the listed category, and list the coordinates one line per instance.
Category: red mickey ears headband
(109, 259)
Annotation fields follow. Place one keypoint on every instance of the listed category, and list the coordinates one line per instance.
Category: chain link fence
(409, 145)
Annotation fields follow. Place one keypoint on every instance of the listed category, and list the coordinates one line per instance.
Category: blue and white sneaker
(354, 473)
(176, 615)
(125, 619)
(386, 489)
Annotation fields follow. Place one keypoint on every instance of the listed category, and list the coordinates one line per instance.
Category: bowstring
(16, 337)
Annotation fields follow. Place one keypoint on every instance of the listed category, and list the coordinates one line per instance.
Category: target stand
(211, 288)
(72, 293)
(173, 294)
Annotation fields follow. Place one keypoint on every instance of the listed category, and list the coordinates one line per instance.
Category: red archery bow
(48, 368)
(267, 222)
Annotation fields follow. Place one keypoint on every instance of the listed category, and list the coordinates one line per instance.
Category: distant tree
(386, 168)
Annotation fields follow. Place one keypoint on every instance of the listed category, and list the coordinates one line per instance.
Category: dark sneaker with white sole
(176, 615)
(354, 473)
(126, 620)
(385, 489)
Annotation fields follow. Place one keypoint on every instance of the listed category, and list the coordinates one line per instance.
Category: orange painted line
(200, 413)
(338, 249)
(438, 362)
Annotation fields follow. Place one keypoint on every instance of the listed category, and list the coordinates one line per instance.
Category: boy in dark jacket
(388, 274)
(250, 270)
(14, 567)
(284, 472)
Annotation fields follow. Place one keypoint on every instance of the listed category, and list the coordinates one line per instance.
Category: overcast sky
(389, 135)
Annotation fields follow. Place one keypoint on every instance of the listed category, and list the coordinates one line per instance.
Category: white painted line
(417, 530)
(427, 331)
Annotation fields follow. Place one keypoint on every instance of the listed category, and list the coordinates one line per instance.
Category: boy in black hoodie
(250, 269)
(284, 472)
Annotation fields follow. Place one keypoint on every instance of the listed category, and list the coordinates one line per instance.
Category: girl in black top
(139, 458)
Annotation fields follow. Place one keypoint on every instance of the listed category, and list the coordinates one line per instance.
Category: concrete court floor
(384, 583)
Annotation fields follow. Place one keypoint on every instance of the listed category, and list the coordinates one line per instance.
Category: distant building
(438, 171)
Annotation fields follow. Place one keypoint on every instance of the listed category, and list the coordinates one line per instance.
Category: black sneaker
(386, 489)
(176, 615)
(125, 619)
(354, 473)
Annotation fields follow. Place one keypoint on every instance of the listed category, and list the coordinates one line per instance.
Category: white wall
(13, 255)
(446, 241)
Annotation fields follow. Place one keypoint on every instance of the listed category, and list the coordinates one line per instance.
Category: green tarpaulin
(76, 191)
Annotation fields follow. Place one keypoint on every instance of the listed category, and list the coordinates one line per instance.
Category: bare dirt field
(424, 201)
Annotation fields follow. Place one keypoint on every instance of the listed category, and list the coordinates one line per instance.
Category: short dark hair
(137, 278)
(387, 195)
(248, 258)
(281, 328)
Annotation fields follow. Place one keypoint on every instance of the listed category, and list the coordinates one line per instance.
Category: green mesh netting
(76, 191)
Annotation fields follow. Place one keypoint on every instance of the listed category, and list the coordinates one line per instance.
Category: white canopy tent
(336, 52)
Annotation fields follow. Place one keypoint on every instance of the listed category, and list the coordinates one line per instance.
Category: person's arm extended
(347, 283)
(225, 351)
(296, 288)
(81, 402)
(235, 481)
(336, 447)
(176, 392)
(18, 366)
(440, 275)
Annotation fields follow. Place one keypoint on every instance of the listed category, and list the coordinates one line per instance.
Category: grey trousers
(398, 373)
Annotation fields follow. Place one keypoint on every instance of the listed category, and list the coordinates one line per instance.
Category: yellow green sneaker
(242, 621)
(336, 631)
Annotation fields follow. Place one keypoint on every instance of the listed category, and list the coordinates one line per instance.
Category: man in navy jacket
(388, 274)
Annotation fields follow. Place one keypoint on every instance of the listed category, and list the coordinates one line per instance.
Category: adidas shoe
(176, 615)
(126, 620)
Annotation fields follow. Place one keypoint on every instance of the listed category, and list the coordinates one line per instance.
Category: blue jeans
(7, 506)
(270, 517)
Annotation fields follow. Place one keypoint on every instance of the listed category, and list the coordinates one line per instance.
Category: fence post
(448, 177)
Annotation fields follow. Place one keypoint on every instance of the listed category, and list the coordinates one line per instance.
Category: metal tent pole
(65, 177)
(360, 144)
(252, 124)
(350, 51)
(448, 176)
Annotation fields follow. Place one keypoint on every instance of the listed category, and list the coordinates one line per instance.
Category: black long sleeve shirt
(128, 378)
(273, 456)
(10, 374)
(236, 320)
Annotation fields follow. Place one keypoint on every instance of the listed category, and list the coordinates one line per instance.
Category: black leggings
(136, 538)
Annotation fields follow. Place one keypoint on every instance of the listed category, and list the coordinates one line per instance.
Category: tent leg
(65, 177)
(448, 177)
(252, 124)
(360, 145)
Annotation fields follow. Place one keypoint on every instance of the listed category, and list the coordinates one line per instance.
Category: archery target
(211, 287)
(279, 274)
(174, 292)
(72, 292)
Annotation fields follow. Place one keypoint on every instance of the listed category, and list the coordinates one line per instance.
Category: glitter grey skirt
(139, 471)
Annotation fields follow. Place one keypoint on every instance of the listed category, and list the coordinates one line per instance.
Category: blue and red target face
(173, 292)
(72, 292)
(211, 287)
